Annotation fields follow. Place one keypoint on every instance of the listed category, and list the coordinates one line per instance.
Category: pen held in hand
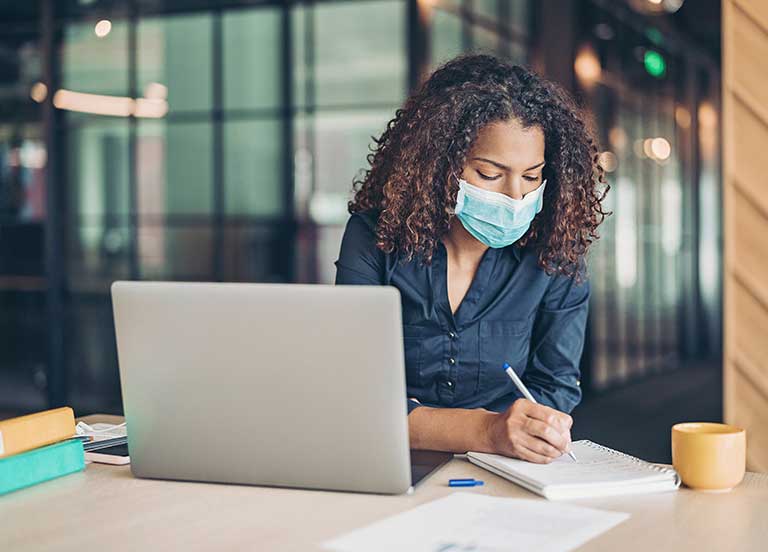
(527, 394)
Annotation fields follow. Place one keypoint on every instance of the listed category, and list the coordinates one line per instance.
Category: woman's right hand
(531, 432)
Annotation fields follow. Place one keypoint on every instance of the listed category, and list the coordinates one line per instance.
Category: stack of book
(38, 447)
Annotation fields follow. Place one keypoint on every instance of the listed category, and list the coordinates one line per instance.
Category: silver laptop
(265, 384)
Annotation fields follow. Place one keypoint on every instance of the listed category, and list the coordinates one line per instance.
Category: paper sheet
(464, 522)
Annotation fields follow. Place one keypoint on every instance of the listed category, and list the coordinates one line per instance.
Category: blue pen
(465, 483)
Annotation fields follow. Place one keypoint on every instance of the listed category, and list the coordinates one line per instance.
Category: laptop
(266, 384)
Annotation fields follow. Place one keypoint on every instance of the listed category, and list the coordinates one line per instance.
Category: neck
(461, 245)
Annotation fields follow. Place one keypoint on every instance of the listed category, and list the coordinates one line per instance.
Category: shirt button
(452, 335)
(451, 360)
(449, 383)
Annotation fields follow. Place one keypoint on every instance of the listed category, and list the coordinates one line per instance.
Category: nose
(515, 190)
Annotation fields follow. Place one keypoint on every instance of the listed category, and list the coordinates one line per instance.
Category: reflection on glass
(252, 61)
(176, 53)
(253, 167)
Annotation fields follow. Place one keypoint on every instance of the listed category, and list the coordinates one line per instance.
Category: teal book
(35, 466)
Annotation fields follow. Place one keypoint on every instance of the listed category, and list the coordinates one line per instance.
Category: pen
(527, 394)
(465, 483)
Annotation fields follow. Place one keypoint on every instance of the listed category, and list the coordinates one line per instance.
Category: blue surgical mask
(496, 219)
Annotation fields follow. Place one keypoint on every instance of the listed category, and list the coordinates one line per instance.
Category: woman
(480, 203)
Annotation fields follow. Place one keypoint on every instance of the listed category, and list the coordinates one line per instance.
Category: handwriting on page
(594, 465)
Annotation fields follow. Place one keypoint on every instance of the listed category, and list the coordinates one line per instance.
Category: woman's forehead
(507, 142)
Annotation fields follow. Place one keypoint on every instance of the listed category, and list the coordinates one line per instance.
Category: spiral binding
(629, 457)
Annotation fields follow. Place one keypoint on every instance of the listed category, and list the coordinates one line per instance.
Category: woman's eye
(488, 177)
(531, 178)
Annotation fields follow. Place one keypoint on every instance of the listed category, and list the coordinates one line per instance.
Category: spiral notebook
(600, 471)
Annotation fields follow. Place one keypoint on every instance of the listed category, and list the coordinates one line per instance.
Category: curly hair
(409, 181)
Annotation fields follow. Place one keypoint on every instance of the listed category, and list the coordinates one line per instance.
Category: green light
(654, 63)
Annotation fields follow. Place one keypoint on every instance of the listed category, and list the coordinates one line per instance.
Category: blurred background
(217, 140)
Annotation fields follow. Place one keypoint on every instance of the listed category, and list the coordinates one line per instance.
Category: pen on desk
(527, 394)
(465, 483)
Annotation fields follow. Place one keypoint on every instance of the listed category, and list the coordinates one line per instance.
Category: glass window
(342, 140)
(360, 54)
(97, 254)
(249, 252)
(299, 25)
(254, 178)
(519, 15)
(177, 252)
(175, 167)
(22, 173)
(446, 37)
(176, 53)
(92, 64)
(93, 381)
(252, 60)
(340, 144)
(97, 163)
(487, 8)
(484, 40)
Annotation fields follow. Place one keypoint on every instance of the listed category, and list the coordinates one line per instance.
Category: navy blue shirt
(513, 312)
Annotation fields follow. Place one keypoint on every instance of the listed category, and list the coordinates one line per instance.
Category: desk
(105, 507)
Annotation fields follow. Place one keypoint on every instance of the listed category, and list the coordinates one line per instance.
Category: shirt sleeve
(552, 375)
(362, 263)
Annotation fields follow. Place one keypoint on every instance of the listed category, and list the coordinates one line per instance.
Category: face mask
(496, 219)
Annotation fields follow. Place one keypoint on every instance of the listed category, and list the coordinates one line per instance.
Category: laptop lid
(265, 384)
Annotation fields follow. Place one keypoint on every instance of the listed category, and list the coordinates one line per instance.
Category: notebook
(600, 471)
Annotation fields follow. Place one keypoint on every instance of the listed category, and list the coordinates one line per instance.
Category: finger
(547, 433)
(539, 446)
(549, 416)
(525, 453)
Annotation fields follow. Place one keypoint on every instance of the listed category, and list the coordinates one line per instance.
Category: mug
(709, 456)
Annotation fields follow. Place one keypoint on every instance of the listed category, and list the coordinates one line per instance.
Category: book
(599, 471)
(41, 464)
(36, 430)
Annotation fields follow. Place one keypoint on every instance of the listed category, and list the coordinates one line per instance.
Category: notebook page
(594, 466)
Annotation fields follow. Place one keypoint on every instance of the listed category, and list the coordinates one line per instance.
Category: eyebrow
(501, 166)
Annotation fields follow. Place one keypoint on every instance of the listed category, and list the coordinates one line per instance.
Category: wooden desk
(105, 507)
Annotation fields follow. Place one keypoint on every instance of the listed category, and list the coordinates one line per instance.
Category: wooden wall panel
(749, 145)
(745, 190)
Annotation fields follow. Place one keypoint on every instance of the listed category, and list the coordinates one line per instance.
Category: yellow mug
(709, 456)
